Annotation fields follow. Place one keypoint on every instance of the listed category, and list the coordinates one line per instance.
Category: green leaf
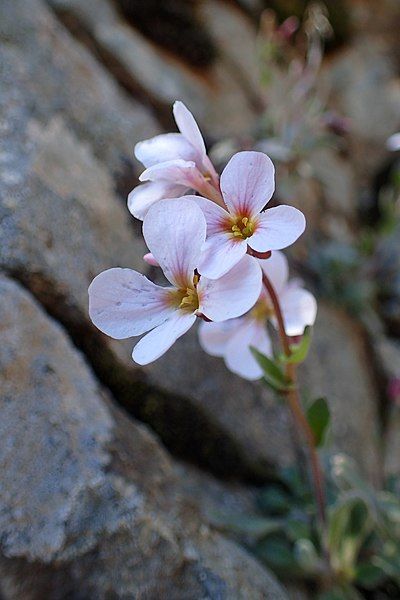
(298, 352)
(349, 525)
(318, 417)
(274, 500)
(306, 555)
(297, 529)
(251, 525)
(369, 576)
(273, 374)
(343, 592)
(277, 553)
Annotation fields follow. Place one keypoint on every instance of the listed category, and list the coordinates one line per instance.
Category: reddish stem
(296, 408)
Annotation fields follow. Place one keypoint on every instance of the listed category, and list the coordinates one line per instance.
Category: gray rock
(215, 97)
(91, 506)
(228, 24)
(61, 225)
(338, 368)
(388, 355)
(62, 78)
(259, 424)
(338, 183)
(363, 82)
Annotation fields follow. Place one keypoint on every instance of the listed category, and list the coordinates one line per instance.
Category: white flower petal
(233, 294)
(299, 309)
(164, 147)
(216, 216)
(188, 127)
(276, 268)
(238, 356)
(124, 303)
(143, 196)
(177, 171)
(215, 336)
(157, 342)
(174, 232)
(277, 228)
(247, 183)
(220, 253)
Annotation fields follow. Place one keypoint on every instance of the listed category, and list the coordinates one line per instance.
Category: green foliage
(274, 376)
(298, 352)
(360, 553)
(318, 417)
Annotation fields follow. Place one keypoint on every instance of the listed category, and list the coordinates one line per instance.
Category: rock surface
(214, 96)
(74, 229)
(337, 368)
(388, 354)
(61, 224)
(73, 85)
(109, 510)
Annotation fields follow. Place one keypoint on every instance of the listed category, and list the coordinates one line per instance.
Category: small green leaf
(298, 352)
(369, 576)
(343, 592)
(306, 555)
(274, 500)
(297, 529)
(318, 418)
(277, 553)
(273, 374)
(251, 525)
(349, 525)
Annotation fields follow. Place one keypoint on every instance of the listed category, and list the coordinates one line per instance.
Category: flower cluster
(214, 242)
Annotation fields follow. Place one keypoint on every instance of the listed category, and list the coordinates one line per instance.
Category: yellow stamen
(262, 310)
(242, 227)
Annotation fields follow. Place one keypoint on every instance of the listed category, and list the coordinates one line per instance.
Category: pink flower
(232, 339)
(247, 184)
(176, 162)
(124, 303)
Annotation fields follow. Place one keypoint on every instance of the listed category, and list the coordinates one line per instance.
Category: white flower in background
(393, 142)
(124, 303)
(247, 184)
(232, 339)
(175, 163)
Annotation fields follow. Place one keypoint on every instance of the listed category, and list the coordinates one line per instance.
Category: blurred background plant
(296, 120)
(360, 557)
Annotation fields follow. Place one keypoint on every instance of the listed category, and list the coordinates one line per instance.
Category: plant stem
(296, 408)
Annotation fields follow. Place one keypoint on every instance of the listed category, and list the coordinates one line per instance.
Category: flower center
(262, 310)
(242, 227)
(187, 299)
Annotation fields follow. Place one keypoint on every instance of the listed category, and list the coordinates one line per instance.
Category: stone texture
(61, 224)
(338, 368)
(213, 95)
(388, 356)
(61, 78)
(365, 88)
(91, 505)
(259, 424)
(338, 183)
(227, 25)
